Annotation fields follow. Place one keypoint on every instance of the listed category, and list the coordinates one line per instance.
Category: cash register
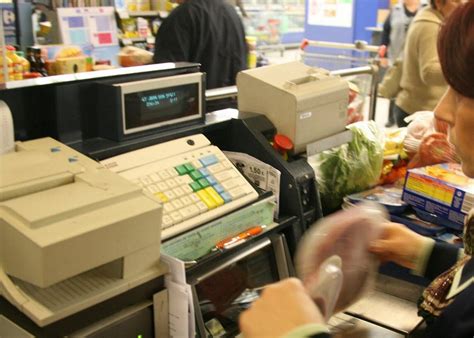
(73, 234)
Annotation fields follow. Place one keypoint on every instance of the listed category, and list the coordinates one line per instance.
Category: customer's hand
(398, 244)
(282, 307)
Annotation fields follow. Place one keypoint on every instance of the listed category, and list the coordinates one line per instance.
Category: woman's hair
(456, 49)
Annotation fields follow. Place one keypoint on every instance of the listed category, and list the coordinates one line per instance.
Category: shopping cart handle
(304, 44)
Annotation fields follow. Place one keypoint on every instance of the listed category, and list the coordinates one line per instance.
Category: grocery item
(350, 168)
(24, 61)
(441, 190)
(346, 235)
(16, 63)
(6, 59)
(132, 56)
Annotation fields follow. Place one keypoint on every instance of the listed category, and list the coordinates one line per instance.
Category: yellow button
(215, 196)
(208, 200)
(162, 197)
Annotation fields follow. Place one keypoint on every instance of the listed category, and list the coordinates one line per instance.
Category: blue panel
(293, 37)
(364, 15)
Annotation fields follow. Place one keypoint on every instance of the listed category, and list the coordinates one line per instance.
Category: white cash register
(306, 104)
(72, 233)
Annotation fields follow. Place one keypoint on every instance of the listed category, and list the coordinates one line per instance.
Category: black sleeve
(174, 38)
(320, 335)
(442, 257)
(387, 27)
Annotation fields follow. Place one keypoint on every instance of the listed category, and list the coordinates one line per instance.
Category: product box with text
(441, 190)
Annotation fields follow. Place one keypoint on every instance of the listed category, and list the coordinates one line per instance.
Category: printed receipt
(261, 174)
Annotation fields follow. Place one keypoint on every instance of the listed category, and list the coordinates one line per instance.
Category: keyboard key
(187, 189)
(154, 177)
(214, 169)
(189, 167)
(166, 221)
(172, 172)
(237, 192)
(208, 160)
(227, 164)
(186, 200)
(189, 212)
(170, 195)
(168, 208)
(192, 209)
(195, 198)
(203, 183)
(162, 197)
(177, 204)
(176, 217)
(181, 180)
(204, 172)
(162, 186)
(195, 186)
(225, 175)
(229, 184)
(164, 174)
(178, 192)
(204, 196)
(171, 183)
(215, 196)
(211, 180)
(195, 175)
(226, 197)
(181, 170)
(219, 188)
(202, 207)
(153, 188)
(146, 181)
(196, 164)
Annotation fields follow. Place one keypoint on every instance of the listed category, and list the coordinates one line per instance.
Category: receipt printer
(304, 103)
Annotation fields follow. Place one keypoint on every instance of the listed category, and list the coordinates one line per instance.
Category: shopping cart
(358, 62)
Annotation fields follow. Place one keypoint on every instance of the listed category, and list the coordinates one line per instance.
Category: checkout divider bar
(231, 91)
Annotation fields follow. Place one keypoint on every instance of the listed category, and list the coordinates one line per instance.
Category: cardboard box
(71, 65)
(442, 190)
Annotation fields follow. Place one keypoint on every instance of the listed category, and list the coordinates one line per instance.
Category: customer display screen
(156, 106)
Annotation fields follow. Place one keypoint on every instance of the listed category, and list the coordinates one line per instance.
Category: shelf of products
(272, 21)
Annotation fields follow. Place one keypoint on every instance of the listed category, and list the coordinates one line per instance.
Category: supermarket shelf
(161, 14)
(129, 41)
(87, 75)
(123, 14)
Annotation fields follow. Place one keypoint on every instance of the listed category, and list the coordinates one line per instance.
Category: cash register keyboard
(192, 178)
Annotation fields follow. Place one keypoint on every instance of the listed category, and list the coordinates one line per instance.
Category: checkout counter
(117, 114)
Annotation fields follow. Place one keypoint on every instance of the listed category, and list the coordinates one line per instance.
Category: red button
(282, 142)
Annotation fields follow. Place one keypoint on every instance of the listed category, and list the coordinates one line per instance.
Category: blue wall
(364, 15)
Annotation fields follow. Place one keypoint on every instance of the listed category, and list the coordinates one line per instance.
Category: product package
(333, 259)
(441, 190)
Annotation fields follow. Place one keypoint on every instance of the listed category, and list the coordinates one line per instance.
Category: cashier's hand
(398, 244)
(282, 307)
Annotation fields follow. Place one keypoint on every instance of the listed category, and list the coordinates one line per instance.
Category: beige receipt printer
(304, 103)
(72, 233)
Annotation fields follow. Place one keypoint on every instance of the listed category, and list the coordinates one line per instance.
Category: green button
(195, 186)
(189, 167)
(203, 183)
(181, 169)
(195, 175)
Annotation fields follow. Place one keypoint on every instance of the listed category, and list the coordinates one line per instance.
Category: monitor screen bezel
(160, 83)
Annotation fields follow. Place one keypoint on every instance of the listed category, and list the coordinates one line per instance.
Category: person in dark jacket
(447, 303)
(209, 32)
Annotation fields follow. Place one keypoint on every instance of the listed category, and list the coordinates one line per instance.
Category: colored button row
(205, 161)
